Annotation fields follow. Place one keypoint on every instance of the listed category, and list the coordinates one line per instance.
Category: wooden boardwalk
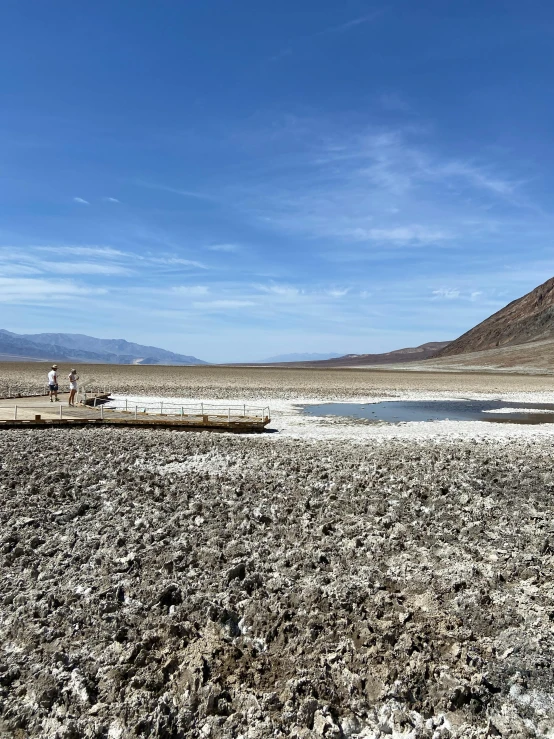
(33, 412)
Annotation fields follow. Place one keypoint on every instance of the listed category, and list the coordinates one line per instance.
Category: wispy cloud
(111, 200)
(338, 292)
(282, 54)
(170, 261)
(292, 293)
(24, 290)
(61, 260)
(414, 233)
(337, 29)
(341, 27)
(474, 174)
(100, 252)
(223, 304)
(449, 293)
(393, 102)
(82, 201)
(287, 291)
(388, 186)
(92, 261)
(446, 293)
(83, 268)
(224, 247)
(173, 190)
(190, 290)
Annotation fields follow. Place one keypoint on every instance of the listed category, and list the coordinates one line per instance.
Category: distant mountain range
(81, 348)
(297, 358)
(521, 334)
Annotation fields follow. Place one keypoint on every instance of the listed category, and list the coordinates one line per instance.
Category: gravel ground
(178, 584)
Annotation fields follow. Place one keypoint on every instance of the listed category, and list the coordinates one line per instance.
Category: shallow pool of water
(396, 411)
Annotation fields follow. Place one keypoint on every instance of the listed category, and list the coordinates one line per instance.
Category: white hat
(54, 366)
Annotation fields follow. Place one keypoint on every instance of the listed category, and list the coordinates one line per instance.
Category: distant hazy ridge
(409, 354)
(81, 348)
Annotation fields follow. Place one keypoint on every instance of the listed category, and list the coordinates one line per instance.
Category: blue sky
(240, 179)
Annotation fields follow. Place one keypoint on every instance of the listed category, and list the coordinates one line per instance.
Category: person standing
(73, 377)
(53, 383)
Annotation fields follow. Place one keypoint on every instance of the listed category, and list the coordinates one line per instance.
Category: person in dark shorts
(53, 383)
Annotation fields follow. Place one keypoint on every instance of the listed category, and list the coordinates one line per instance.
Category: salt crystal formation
(165, 584)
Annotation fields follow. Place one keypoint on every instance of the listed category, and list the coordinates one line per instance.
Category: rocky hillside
(528, 319)
(534, 357)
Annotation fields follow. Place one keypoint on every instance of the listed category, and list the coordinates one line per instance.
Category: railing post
(244, 414)
(125, 405)
(161, 408)
(136, 411)
(201, 409)
(15, 413)
(61, 411)
(229, 415)
(102, 412)
(182, 412)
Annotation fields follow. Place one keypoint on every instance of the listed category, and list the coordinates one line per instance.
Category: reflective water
(396, 411)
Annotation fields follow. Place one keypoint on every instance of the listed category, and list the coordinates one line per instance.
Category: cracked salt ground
(291, 589)
(210, 463)
(332, 579)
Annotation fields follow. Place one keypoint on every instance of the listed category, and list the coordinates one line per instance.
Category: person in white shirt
(73, 377)
(53, 383)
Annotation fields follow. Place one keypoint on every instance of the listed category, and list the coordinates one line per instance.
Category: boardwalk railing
(200, 410)
(200, 413)
(21, 412)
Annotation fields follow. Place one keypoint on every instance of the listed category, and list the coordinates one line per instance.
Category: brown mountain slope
(528, 319)
(531, 357)
(411, 354)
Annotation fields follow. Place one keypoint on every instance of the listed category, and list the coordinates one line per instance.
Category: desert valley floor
(332, 578)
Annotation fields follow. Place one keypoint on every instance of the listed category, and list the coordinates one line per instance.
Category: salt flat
(330, 579)
(288, 420)
(269, 382)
